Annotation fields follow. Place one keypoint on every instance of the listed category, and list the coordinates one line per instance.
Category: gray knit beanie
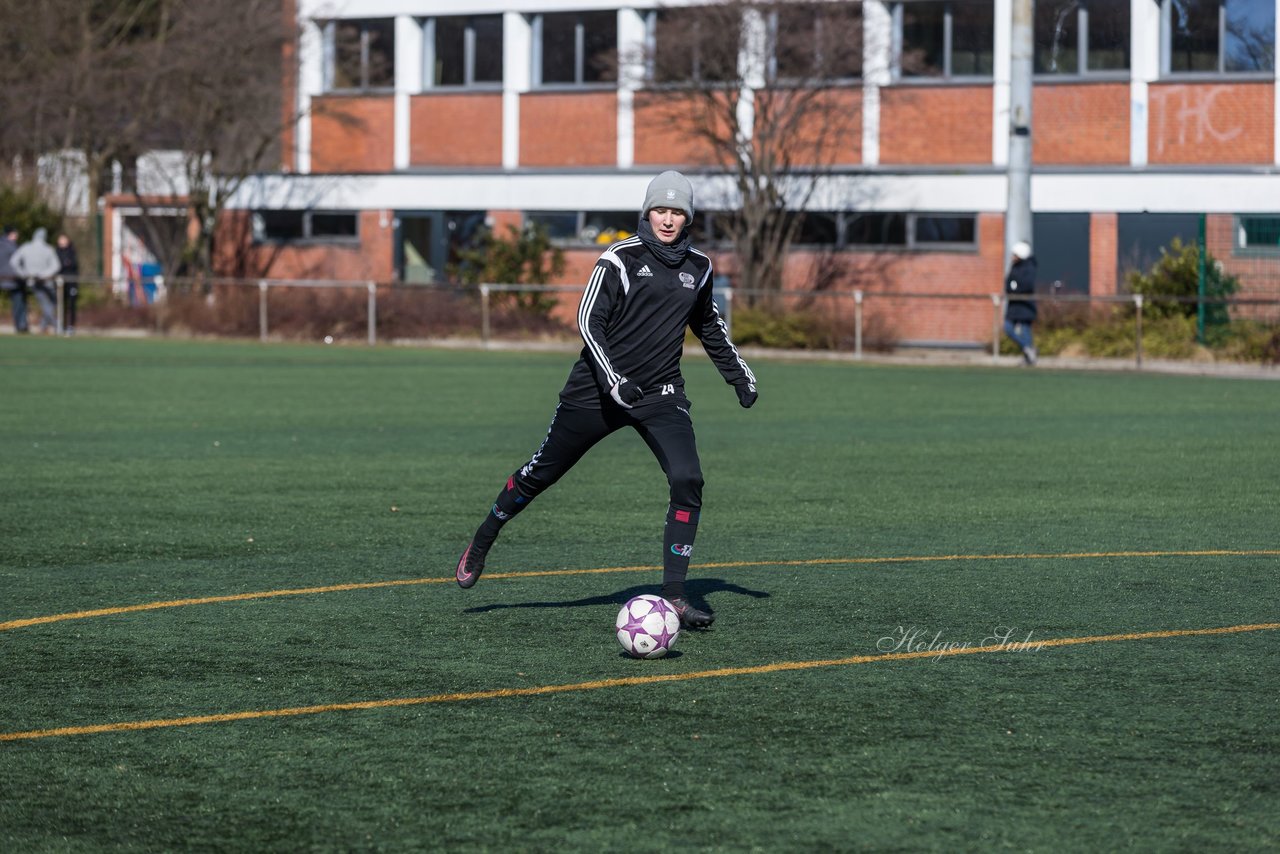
(669, 190)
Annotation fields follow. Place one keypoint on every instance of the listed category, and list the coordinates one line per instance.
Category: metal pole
(857, 324)
(484, 315)
(1137, 304)
(1017, 220)
(58, 286)
(262, 310)
(997, 303)
(373, 314)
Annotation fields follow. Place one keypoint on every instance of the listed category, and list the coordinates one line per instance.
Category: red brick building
(424, 118)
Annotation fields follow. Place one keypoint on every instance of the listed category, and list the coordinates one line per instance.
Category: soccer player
(643, 293)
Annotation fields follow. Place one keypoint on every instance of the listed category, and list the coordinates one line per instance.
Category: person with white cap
(1019, 312)
(643, 294)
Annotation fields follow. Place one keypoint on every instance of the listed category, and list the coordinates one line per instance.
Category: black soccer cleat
(470, 565)
(691, 617)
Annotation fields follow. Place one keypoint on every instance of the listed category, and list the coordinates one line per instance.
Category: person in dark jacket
(70, 277)
(9, 281)
(644, 292)
(1019, 313)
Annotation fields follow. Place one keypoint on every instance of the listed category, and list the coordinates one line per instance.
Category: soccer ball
(647, 626)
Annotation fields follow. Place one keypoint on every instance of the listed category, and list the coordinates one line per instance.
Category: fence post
(857, 324)
(373, 314)
(1137, 304)
(997, 302)
(484, 315)
(262, 309)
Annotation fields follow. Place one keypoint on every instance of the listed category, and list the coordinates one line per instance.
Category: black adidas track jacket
(632, 318)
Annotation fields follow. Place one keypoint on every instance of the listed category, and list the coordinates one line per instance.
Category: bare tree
(756, 88)
(114, 80)
(222, 107)
(70, 86)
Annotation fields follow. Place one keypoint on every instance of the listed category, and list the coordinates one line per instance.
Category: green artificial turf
(1067, 505)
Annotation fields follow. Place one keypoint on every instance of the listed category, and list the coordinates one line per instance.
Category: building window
(1061, 243)
(875, 229)
(1076, 37)
(694, 45)
(817, 42)
(465, 51)
(572, 48)
(942, 40)
(294, 226)
(1142, 238)
(1258, 235)
(362, 54)
(1218, 36)
(818, 228)
(599, 228)
(934, 231)
(915, 231)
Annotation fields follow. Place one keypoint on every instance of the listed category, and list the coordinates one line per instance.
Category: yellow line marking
(838, 561)
(627, 681)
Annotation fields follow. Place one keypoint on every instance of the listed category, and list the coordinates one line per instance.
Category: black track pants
(663, 424)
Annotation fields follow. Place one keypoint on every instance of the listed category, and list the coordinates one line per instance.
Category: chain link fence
(1137, 326)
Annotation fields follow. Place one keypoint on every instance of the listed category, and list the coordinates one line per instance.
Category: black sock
(677, 548)
(510, 501)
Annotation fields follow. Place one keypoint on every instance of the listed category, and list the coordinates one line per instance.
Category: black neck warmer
(671, 254)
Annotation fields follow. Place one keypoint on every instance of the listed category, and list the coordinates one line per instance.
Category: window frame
(1083, 47)
(948, 52)
(307, 237)
(696, 78)
(818, 21)
(468, 54)
(330, 31)
(1239, 245)
(580, 46)
(1166, 49)
(843, 220)
(578, 240)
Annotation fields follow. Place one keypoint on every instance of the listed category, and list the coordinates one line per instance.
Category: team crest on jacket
(687, 280)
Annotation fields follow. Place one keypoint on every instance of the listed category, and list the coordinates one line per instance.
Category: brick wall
(825, 129)
(1203, 123)
(935, 124)
(1104, 238)
(371, 259)
(352, 134)
(902, 301)
(1080, 123)
(569, 129)
(456, 129)
(671, 128)
(1259, 275)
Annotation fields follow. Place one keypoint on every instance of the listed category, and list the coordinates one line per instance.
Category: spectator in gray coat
(37, 262)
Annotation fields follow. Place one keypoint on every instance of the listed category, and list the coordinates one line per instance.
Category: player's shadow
(697, 590)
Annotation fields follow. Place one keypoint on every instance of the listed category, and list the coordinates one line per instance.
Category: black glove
(626, 393)
(747, 395)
